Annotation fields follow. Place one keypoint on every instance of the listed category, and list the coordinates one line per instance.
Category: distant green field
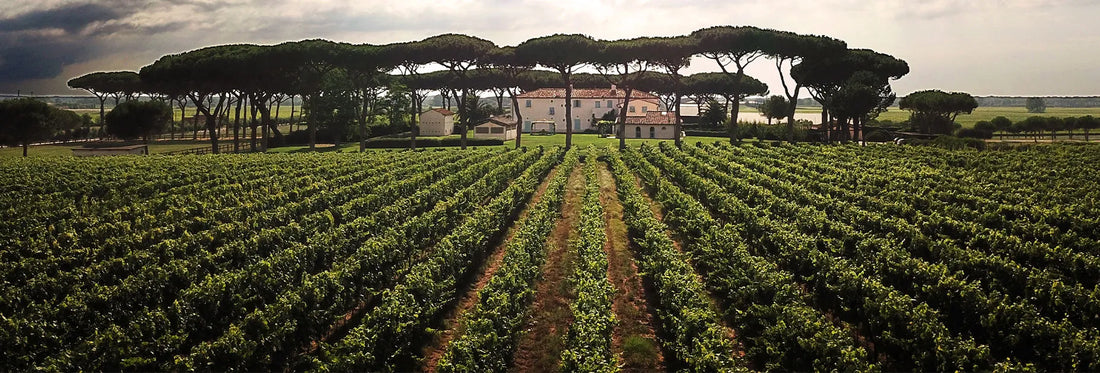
(284, 112)
(967, 120)
(985, 113)
(1016, 114)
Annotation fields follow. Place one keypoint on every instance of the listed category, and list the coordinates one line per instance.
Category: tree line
(852, 85)
(1034, 125)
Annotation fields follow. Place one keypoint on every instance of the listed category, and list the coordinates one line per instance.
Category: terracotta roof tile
(502, 120)
(586, 93)
(654, 117)
(442, 111)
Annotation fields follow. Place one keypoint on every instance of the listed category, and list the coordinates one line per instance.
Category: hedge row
(429, 142)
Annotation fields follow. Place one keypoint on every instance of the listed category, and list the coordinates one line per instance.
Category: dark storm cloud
(34, 57)
(127, 28)
(72, 18)
(41, 43)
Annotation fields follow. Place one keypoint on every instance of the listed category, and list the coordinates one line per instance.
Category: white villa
(548, 105)
(437, 122)
(654, 125)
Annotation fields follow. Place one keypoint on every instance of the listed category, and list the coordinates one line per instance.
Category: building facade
(503, 128)
(588, 105)
(654, 125)
(437, 122)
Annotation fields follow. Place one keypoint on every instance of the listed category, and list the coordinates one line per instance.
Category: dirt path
(539, 349)
(634, 337)
(452, 322)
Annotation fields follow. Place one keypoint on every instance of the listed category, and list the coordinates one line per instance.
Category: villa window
(631, 109)
(637, 132)
(610, 104)
(528, 104)
(576, 103)
(652, 132)
(645, 108)
(597, 104)
(551, 110)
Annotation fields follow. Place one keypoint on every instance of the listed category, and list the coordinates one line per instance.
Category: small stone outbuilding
(654, 125)
(503, 128)
(437, 122)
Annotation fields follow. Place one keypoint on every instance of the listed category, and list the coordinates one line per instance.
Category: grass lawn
(527, 140)
(66, 150)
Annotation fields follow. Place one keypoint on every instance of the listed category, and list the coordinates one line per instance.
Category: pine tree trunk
(679, 124)
(252, 125)
(363, 122)
(265, 123)
(312, 135)
(102, 101)
(414, 123)
(464, 116)
(736, 109)
(568, 112)
(211, 123)
(792, 107)
(627, 91)
(731, 127)
(237, 126)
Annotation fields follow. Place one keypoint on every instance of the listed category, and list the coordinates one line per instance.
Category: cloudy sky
(985, 47)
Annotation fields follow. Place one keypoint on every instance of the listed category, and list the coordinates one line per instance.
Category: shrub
(707, 133)
(950, 142)
(878, 136)
(975, 133)
(429, 142)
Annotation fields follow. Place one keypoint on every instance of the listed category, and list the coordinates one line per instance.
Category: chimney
(612, 89)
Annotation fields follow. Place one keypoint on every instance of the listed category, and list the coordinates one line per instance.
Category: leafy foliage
(26, 120)
(588, 342)
(1035, 105)
(934, 111)
(774, 107)
(138, 119)
(788, 257)
(494, 325)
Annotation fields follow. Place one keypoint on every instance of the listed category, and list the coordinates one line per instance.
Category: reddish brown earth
(636, 326)
(539, 349)
(658, 211)
(452, 322)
